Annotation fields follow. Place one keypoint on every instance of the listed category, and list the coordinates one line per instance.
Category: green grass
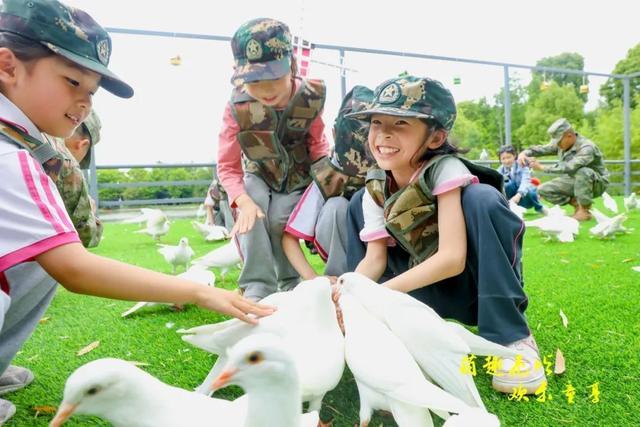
(590, 280)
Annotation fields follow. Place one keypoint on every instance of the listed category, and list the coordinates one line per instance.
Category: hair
(23, 48)
(82, 132)
(507, 149)
(448, 147)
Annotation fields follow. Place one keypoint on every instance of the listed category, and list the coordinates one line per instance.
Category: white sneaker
(529, 374)
(7, 409)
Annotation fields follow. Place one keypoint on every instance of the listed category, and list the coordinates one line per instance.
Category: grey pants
(266, 268)
(331, 235)
(32, 290)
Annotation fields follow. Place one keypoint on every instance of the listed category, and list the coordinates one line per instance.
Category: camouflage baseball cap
(67, 31)
(410, 96)
(262, 51)
(557, 129)
(92, 126)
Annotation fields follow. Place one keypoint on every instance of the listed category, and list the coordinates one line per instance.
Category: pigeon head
(184, 242)
(256, 362)
(96, 388)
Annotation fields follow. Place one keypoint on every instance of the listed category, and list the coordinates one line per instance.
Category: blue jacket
(518, 174)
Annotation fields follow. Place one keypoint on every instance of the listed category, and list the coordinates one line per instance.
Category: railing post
(507, 107)
(343, 75)
(627, 138)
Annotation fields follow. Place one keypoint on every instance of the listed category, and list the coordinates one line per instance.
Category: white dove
(609, 203)
(266, 371)
(556, 210)
(177, 255)
(224, 258)
(631, 202)
(127, 396)
(211, 233)
(145, 215)
(157, 224)
(557, 225)
(475, 417)
(484, 155)
(439, 347)
(201, 212)
(607, 227)
(306, 321)
(196, 274)
(387, 376)
(517, 209)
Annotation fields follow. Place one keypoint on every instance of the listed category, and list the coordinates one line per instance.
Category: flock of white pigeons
(298, 354)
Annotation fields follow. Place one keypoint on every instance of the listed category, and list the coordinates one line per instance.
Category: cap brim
(388, 111)
(109, 81)
(86, 162)
(253, 72)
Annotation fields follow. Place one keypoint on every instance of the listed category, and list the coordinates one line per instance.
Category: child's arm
(85, 273)
(451, 256)
(293, 251)
(375, 260)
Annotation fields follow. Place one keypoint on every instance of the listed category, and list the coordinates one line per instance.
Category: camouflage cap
(557, 130)
(410, 96)
(67, 31)
(262, 51)
(92, 126)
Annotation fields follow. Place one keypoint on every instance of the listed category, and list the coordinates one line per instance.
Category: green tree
(612, 89)
(566, 60)
(111, 176)
(467, 134)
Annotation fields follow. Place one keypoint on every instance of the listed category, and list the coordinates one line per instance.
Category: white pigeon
(387, 376)
(484, 155)
(306, 321)
(609, 203)
(211, 233)
(631, 202)
(157, 224)
(437, 346)
(127, 396)
(556, 225)
(266, 371)
(475, 417)
(196, 274)
(177, 255)
(607, 227)
(225, 257)
(145, 215)
(517, 209)
(636, 268)
(201, 212)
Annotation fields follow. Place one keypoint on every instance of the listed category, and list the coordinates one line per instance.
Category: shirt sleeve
(448, 174)
(33, 219)
(318, 143)
(303, 219)
(374, 228)
(542, 150)
(229, 168)
(525, 181)
(583, 157)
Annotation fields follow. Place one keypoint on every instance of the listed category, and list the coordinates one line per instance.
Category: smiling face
(507, 159)
(273, 93)
(54, 93)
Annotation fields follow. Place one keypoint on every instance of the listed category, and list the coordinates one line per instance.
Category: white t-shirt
(33, 218)
(303, 219)
(450, 173)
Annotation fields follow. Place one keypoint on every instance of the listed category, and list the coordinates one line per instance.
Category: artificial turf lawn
(590, 280)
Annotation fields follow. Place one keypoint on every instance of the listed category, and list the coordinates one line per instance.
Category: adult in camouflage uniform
(217, 205)
(435, 225)
(271, 134)
(76, 154)
(321, 215)
(583, 175)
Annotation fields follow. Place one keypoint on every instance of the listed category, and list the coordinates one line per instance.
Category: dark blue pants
(529, 201)
(489, 292)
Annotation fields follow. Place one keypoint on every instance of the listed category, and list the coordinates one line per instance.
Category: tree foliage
(612, 90)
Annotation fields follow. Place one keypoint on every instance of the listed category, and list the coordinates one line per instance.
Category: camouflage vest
(44, 153)
(411, 213)
(275, 148)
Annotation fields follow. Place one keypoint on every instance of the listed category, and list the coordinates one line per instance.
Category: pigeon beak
(64, 412)
(225, 377)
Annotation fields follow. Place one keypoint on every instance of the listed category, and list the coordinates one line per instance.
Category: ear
(439, 138)
(8, 64)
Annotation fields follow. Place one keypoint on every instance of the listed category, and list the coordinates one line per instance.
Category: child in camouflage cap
(272, 131)
(53, 58)
(435, 225)
(321, 215)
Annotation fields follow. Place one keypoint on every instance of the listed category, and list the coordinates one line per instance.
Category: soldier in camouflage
(583, 175)
(425, 209)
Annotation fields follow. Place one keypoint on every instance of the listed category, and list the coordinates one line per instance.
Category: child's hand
(232, 304)
(249, 212)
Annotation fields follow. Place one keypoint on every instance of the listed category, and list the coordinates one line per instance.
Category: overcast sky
(175, 114)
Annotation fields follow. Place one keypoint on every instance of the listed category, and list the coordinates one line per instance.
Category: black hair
(24, 48)
(507, 149)
(448, 147)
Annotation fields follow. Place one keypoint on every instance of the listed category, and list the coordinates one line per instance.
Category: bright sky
(176, 112)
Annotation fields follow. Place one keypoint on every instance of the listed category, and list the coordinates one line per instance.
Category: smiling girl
(434, 225)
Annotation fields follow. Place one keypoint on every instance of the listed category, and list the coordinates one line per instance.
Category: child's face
(394, 140)
(273, 93)
(507, 159)
(54, 93)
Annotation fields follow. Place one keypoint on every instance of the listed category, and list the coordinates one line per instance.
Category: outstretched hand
(249, 213)
(233, 304)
